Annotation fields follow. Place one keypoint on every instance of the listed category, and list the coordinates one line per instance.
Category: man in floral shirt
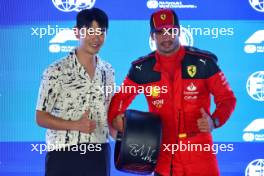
(73, 101)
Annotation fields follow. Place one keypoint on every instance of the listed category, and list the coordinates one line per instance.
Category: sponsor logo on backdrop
(73, 5)
(186, 38)
(255, 86)
(153, 4)
(258, 5)
(255, 168)
(255, 43)
(254, 131)
(59, 42)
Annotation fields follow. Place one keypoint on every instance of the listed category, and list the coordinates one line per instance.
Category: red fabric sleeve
(122, 99)
(224, 98)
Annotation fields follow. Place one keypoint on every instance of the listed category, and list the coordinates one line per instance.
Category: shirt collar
(80, 68)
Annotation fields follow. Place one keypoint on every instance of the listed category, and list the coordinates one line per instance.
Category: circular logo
(258, 5)
(255, 168)
(152, 4)
(248, 137)
(73, 5)
(54, 48)
(250, 48)
(185, 38)
(255, 86)
(152, 44)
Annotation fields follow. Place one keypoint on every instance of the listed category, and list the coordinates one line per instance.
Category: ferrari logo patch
(191, 70)
(163, 17)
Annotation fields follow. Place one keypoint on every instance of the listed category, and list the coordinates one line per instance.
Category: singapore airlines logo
(64, 41)
(254, 44)
(254, 131)
(73, 5)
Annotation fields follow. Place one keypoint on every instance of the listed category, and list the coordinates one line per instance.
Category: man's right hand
(84, 124)
(118, 122)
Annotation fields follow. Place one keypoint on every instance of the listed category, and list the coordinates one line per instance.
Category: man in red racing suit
(177, 82)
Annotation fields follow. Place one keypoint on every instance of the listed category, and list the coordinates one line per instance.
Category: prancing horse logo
(191, 70)
(163, 17)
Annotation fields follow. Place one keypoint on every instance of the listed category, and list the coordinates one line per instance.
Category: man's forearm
(46, 120)
(223, 111)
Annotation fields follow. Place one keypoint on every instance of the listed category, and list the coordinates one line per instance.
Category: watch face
(216, 122)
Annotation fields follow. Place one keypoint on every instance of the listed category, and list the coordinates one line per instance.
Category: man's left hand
(205, 124)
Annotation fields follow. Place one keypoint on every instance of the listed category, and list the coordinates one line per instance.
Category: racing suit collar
(179, 55)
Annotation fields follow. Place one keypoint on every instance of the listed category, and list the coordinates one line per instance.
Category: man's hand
(205, 124)
(118, 122)
(84, 124)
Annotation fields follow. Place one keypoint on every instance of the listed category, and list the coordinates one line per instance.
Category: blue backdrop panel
(30, 40)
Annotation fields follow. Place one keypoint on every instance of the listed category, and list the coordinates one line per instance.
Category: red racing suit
(178, 102)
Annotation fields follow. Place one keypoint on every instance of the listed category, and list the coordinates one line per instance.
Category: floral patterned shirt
(66, 92)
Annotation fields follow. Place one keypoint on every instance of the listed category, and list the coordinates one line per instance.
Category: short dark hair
(85, 18)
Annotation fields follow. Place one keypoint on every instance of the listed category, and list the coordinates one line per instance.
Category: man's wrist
(74, 125)
(216, 122)
(117, 122)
